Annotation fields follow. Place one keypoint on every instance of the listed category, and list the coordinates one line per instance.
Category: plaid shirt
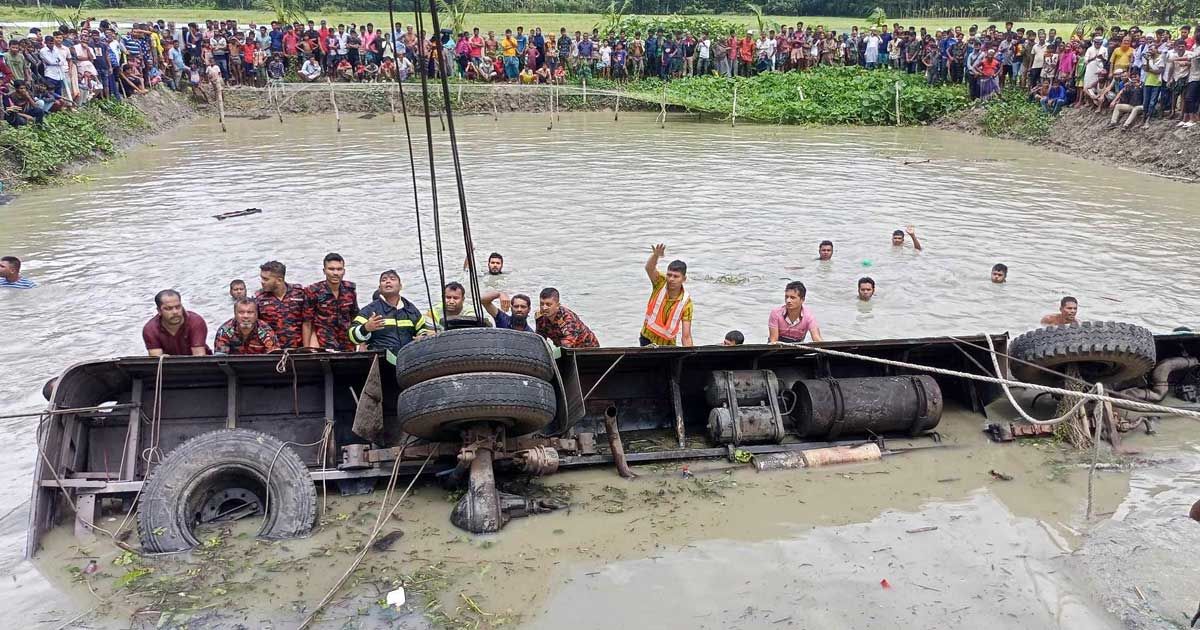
(566, 330)
(332, 315)
(285, 316)
(228, 341)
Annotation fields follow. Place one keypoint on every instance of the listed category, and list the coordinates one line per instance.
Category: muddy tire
(215, 464)
(1109, 352)
(472, 350)
(438, 408)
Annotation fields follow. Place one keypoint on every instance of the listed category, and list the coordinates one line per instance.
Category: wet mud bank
(1163, 149)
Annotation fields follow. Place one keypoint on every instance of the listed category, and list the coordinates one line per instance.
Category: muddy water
(577, 208)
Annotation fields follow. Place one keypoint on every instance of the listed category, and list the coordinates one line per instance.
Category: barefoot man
(1068, 311)
(669, 311)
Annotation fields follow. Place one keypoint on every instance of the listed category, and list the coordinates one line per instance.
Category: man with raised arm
(669, 311)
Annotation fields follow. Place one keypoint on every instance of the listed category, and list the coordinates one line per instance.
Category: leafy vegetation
(1011, 115)
(39, 152)
(677, 23)
(824, 96)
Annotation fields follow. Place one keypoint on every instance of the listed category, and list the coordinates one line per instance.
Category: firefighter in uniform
(390, 322)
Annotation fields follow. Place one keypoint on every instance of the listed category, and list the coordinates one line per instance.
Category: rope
(370, 539)
(61, 412)
(1135, 405)
(437, 221)
(412, 164)
(476, 299)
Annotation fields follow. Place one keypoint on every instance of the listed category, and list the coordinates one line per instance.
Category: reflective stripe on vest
(674, 318)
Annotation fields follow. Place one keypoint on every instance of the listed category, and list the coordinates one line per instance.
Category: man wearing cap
(390, 322)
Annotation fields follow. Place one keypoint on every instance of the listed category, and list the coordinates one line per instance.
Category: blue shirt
(133, 45)
(504, 320)
(21, 283)
(276, 40)
(522, 42)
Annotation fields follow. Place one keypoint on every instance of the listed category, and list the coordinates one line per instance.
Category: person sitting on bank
(237, 290)
(669, 311)
(793, 321)
(999, 273)
(390, 322)
(898, 237)
(866, 289)
(10, 274)
(519, 305)
(1068, 313)
(174, 331)
(311, 71)
(734, 338)
(825, 250)
(455, 307)
(561, 325)
(245, 334)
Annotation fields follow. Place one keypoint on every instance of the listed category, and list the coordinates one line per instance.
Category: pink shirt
(794, 332)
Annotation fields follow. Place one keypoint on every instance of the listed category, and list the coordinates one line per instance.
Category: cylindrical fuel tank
(828, 408)
(750, 386)
(752, 425)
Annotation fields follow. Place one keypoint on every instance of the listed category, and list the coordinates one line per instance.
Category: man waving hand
(669, 311)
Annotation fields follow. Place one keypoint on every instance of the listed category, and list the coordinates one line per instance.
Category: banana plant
(611, 19)
(457, 11)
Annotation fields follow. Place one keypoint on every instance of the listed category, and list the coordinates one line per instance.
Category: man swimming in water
(1068, 313)
(866, 289)
(898, 237)
(825, 250)
(999, 273)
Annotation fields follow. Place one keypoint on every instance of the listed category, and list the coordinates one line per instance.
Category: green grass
(549, 22)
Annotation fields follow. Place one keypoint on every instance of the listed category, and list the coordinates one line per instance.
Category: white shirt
(53, 62)
(1094, 52)
(1039, 54)
(1170, 68)
(702, 49)
(1092, 71)
(873, 42)
(311, 68)
(342, 38)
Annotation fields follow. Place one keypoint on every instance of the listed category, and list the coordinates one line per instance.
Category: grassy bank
(33, 154)
(492, 21)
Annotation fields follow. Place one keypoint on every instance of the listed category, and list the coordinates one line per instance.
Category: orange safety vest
(674, 318)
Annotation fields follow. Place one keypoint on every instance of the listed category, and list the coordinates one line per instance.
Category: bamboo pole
(550, 108)
(392, 101)
(336, 114)
(585, 90)
(663, 106)
(733, 114)
(617, 111)
(278, 106)
(897, 103)
(220, 103)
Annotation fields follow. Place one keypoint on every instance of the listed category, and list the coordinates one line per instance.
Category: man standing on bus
(669, 311)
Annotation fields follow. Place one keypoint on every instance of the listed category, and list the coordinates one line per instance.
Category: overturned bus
(191, 440)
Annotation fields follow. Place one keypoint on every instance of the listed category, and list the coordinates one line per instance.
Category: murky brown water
(577, 208)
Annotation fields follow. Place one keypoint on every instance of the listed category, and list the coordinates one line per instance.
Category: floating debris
(237, 213)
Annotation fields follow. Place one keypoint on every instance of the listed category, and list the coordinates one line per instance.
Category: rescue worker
(669, 311)
(390, 322)
(332, 306)
(456, 305)
(283, 306)
(245, 333)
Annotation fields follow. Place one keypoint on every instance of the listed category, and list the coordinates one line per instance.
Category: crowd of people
(1126, 71)
(326, 314)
